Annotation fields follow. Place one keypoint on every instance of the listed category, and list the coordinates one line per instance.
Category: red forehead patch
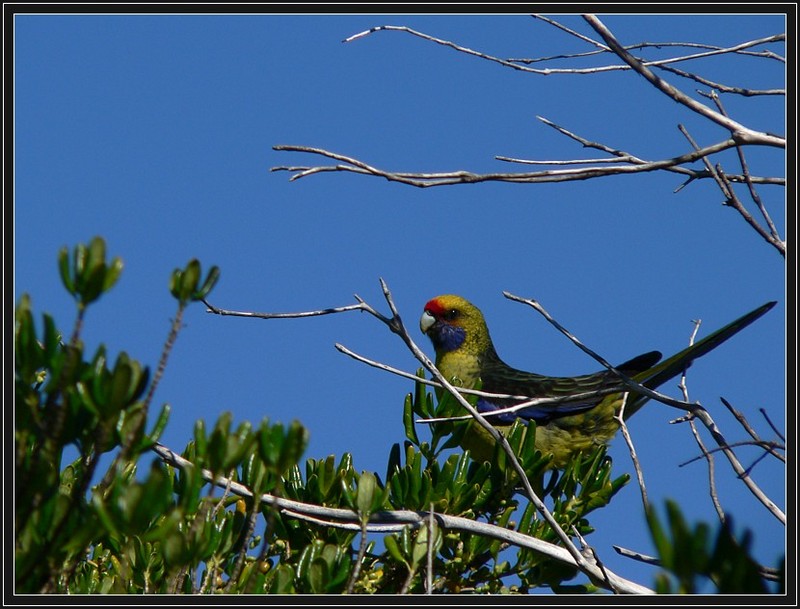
(434, 306)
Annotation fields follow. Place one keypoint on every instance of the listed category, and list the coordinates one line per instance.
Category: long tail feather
(675, 365)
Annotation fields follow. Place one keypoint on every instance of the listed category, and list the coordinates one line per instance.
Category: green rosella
(464, 352)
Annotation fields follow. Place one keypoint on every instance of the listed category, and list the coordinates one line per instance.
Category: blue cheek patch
(449, 338)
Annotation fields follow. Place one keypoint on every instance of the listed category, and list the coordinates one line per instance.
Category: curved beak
(426, 321)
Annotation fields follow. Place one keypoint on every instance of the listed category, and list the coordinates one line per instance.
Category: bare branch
(426, 180)
(329, 311)
(772, 425)
(638, 556)
(523, 405)
(713, 49)
(431, 524)
(739, 131)
(770, 448)
(720, 87)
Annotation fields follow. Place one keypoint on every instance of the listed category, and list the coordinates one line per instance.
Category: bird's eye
(451, 314)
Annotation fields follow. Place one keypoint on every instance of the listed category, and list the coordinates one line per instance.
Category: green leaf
(318, 576)
(408, 421)
(64, 270)
(208, 284)
(366, 493)
(112, 274)
(200, 440)
(158, 427)
(390, 541)
(393, 464)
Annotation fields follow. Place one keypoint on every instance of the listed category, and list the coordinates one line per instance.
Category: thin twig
(768, 573)
(770, 448)
(362, 550)
(516, 64)
(602, 48)
(720, 87)
(772, 425)
(128, 441)
(620, 418)
(328, 311)
(705, 453)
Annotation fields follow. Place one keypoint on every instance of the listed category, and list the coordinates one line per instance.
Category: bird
(465, 355)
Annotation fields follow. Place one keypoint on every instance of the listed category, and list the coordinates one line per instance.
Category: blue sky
(156, 132)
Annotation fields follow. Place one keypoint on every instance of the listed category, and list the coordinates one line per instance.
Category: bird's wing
(575, 394)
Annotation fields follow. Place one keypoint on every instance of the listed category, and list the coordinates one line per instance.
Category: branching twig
(706, 454)
(623, 156)
(620, 418)
(518, 64)
(749, 181)
(740, 471)
(427, 180)
(769, 447)
(732, 200)
(740, 132)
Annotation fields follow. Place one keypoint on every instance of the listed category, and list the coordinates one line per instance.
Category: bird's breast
(466, 367)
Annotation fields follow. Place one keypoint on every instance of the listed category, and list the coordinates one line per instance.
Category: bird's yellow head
(453, 323)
